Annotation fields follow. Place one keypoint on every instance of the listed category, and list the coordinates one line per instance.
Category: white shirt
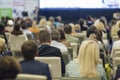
(59, 45)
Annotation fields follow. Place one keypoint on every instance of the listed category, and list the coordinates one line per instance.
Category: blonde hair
(2, 44)
(34, 25)
(88, 58)
(42, 22)
(99, 25)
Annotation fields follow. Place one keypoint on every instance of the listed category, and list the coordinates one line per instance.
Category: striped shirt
(72, 70)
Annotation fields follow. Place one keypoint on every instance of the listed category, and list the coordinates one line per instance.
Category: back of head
(29, 50)
(17, 29)
(55, 35)
(91, 30)
(88, 56)
(99, 25)
(44, 36)
(9, 68)
(2, 44)
(10, 23)
(24, 26)
(68, 29)
(62, 33)
(81, 22)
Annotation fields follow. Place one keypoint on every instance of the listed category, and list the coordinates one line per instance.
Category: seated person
(117, 76)
(3, 51)
(115, 45)
(31, 66)
(87, 63)
(49, 51)
(9, 68)
(55, 41)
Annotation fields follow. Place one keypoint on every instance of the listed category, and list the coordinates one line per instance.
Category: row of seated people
(69, 37)
(45, 49)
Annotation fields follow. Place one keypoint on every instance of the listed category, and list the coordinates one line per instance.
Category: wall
(72, 15)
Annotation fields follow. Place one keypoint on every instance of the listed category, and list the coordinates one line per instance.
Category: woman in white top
(87, 63)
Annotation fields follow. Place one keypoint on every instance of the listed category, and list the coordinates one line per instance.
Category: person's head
(2, 45)
(9, 68)
(24, 26)
(73, 27)
(10, 23)
(2, 27)
(68, 29)
(81, 22)
(29, 50)
(118, 33)
(44, 36)
(62, 33)
(17, 29)
(55, 35)
(99, 25)
(51, 19)
(91, 32)
(88, 58)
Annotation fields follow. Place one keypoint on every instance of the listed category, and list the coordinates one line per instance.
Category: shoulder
(71, 64)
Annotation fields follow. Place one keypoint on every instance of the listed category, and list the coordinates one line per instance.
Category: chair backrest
(15, 42)
(115, 38)
(116, 62)
(80, 78)
(66, 57)
(30, 77)
(55, 65)
(75, 49)
(70, 50)
(117, 53)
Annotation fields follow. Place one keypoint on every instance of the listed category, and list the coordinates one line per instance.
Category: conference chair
(55, 66)
(30, 77)
(80, 78)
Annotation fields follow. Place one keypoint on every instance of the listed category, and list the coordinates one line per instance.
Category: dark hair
(44, 36)
(62, 33)
(118, 33)
(55, 35)
(2, 29)
(24, 26)
(91, 30)
(81, 22)
(29, 49)
(16, 30)
(68, 29)
(9, 68)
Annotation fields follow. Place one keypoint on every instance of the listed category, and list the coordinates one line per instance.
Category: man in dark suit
(46, 50)
(117, 76)
(31, 66)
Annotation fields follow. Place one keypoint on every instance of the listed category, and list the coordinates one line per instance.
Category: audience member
(63, 38)
(9, 68)
(3, 51)
(87, 63)
(31, 66)
(55, 41)
(69, 37)
(91, 35)
(115, 45)
(10, 26)
(82, 24)
(46, 50)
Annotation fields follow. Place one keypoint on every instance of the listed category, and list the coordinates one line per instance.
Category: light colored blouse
(72, 70)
